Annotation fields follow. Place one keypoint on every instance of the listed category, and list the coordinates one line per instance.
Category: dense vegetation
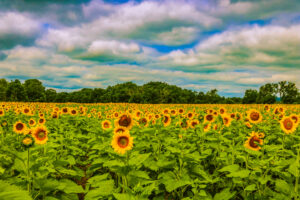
(32, 90)
(54, 151)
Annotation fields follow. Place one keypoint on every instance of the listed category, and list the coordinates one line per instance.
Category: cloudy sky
(230, 45)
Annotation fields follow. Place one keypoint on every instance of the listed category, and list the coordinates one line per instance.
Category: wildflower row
(143, 151)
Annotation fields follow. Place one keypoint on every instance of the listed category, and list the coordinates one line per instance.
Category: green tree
(267, 94)
(16, 92)
(35, 90)
(287, 92)
(50, 95)
(3, 89)
(250, 96)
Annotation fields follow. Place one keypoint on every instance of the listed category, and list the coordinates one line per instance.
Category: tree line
(32, 90)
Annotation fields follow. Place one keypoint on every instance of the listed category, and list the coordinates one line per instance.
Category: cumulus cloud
(16, 28)
(262, 46)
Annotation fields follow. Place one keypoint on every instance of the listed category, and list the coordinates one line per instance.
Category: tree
(35, 90)
(3, 89)
(288, 92)
(250, 96)
(50, 95)
(267, 94)
(16, 92)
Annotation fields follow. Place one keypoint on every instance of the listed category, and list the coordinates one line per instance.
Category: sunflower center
(190, 115)
(41, 134)
(253, 140)
(123, 142)
(124, 121)
(225, 121)
(209, 117)
(288, 124)
(166, 119)
(222, 111)
(254, 116)
(73, 112)
(26, 111)
(19, 126)
(106, 125)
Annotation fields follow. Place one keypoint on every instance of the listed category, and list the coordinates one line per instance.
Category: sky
(230, 45)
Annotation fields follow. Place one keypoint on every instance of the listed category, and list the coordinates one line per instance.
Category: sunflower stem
(297, 175)
(28, 171)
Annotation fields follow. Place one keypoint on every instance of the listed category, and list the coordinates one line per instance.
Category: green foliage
(152, 92)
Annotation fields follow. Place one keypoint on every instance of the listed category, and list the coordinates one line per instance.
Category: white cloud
(17, 24)
(113, 46)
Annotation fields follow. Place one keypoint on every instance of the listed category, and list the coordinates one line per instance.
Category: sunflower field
(51, 151)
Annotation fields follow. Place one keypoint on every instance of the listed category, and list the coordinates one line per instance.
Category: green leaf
(98, 178)
(12, 192)
(69, 186)
(230, 168)
(251, 187)
(282, 186)
(124, 196)
(293, 168)
(104, 188)
(224, 194)
(139, 159)
(139, 174)
(174, 184)
(240, 174)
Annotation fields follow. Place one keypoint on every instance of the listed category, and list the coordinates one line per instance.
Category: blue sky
(196, 44)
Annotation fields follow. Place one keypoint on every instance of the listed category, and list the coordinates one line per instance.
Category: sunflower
(251, 142)
(173, 112)
(1, 113)
(42, 121)
(295, 118)
(226, 120)
(222, 111)
(122, 142)
(143, 121)
(31, 122)
(193, 123)
(254, 116)
(287, 125)
(184, 124)
(106, 124)
(54, 115)
(26, 111)
(248, 125)
(125, 120)
(207, 127)
(40, 135)
(267, 108)
(19, 127)
(180, 110)
(27, 141)
(209, 118)
(73, 112)
(65, 110)
(190, 115)
(120, 129)
(166, 120)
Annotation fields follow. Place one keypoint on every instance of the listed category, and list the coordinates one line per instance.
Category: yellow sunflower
(19, 127)
(251, 142)
(209, 118)
(106, 124)
(122, 142)
(40, 135)
(31, 122)
(166, 120)
(125, 120)
(254, 116)
(287, 125)
(226, 120)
